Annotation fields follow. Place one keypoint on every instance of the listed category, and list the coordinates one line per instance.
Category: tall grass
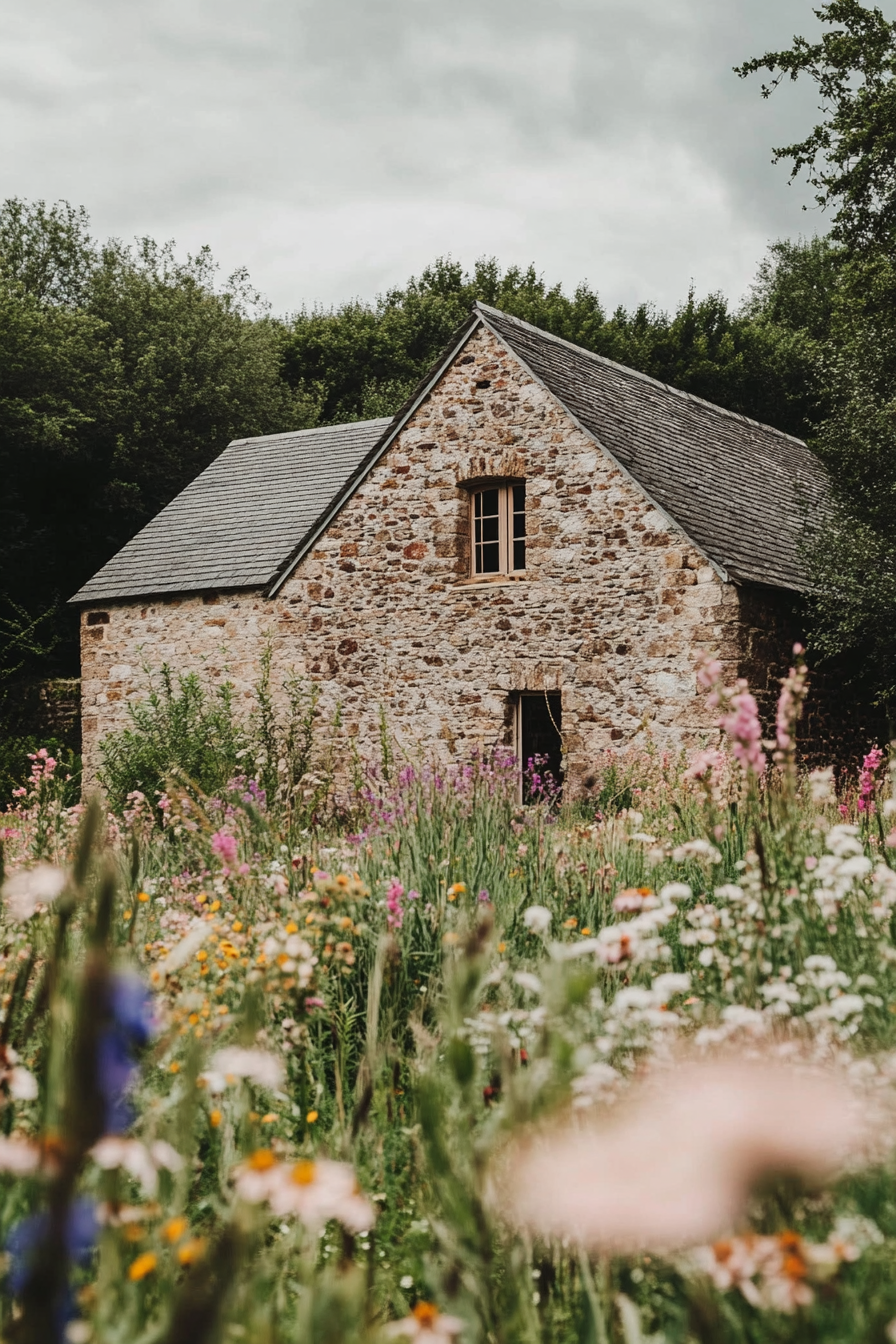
(403, 976)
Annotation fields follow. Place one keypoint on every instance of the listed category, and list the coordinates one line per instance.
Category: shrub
(181, 727)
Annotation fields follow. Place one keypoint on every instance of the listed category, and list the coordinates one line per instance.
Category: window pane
(491, 559)
(488, 500)
(518, 527)
(489, 529)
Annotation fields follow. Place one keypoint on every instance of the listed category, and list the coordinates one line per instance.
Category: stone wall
(614, 605)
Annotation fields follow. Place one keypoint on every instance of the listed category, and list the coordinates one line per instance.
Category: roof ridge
(486, 308)
(311, 429)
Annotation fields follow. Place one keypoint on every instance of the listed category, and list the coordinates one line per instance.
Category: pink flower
(703, 762)
(790, 708)
(867, 780)
(676, 1165)
(709, 672)
(395, 917)
(225, 846)
(744, 729)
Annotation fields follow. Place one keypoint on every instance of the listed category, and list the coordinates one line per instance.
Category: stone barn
(532, 552)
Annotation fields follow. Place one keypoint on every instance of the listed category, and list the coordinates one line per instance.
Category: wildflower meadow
(316, 1050)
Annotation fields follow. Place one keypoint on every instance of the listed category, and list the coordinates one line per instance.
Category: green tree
(850, 159)
(368, 357)
(123, 373)
(850, 156)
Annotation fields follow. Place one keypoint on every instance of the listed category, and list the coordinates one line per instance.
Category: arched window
(498, 528)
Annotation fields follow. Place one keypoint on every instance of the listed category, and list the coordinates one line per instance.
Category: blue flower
(130, 1026)
(27, 1242)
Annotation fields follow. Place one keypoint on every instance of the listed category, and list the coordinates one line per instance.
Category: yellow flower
(128, 914)
(585, 933)
(174, 1229)
(191, 1250)
(175, 1067)
(143, 1265)
(215, 906)
(142, 896)
(502, 947)
(237, 926)
(311, 1117)
(292, 927)
(269, 1119)
(202, 955)
(570, 923)
(214, 1119)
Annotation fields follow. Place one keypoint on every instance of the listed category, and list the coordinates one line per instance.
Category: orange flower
(261, 1160)
(143, 1265)
(174, 1229)
(191, 1250)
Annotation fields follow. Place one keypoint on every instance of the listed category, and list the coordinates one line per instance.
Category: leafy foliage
(850, 156)
(180, 728)
(368, 357)
(123, 373)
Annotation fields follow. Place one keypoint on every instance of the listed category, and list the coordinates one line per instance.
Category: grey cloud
(335, 146)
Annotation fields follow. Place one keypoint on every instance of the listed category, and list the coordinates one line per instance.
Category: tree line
(124, 369)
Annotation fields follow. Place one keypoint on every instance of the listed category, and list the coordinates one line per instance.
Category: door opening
(540, 744)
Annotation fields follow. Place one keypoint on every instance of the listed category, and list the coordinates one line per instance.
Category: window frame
(506, 516)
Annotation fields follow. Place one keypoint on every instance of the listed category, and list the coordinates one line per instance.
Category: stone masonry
(612, 610)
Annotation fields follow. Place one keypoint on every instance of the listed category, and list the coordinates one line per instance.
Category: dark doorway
(540, 722)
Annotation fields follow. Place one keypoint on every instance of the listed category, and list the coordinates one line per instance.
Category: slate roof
(236, 523)
(737, 488)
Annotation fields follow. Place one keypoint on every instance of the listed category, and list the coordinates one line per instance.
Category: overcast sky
(335, 146)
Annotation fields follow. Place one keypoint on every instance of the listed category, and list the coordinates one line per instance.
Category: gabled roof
(234, 526)
(737, 489)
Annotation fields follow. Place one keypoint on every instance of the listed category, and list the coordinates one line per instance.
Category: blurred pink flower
(867, 780)
(395, 917)
(675, 1165)
(225, 847)
(742, 725)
